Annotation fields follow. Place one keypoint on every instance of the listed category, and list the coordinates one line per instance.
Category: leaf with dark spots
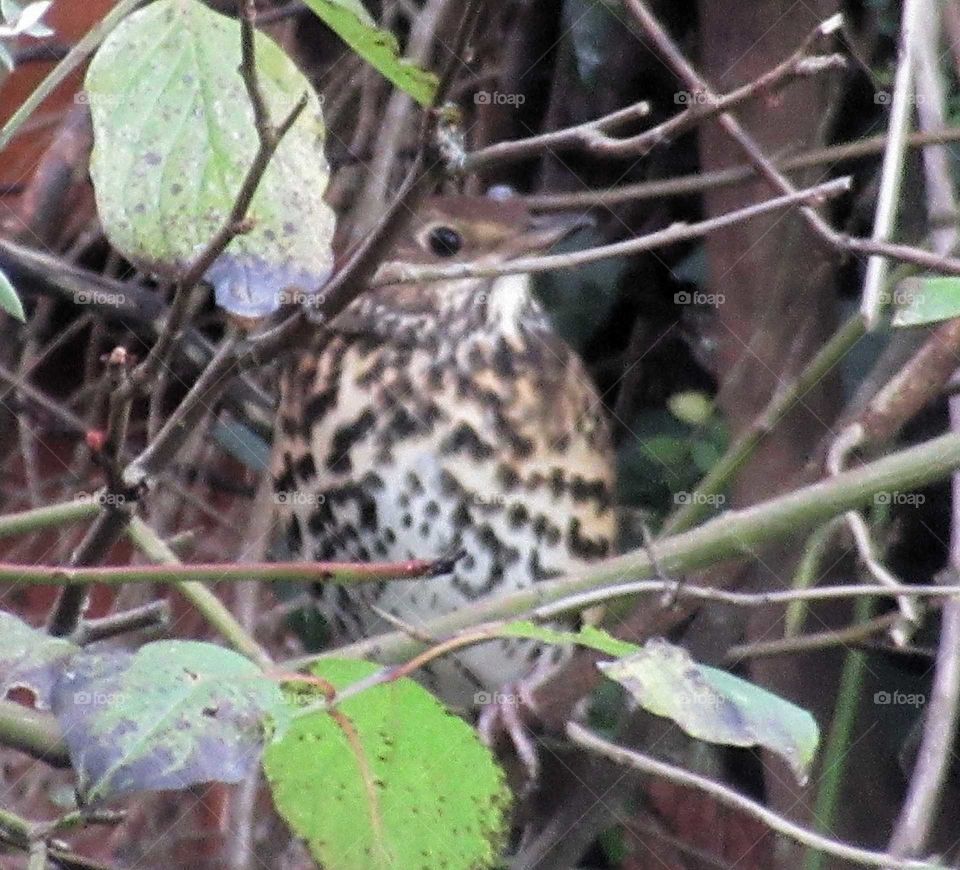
(174, 138)
(171, 715)
(411, 786)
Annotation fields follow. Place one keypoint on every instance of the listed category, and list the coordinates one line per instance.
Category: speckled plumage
(445, 417)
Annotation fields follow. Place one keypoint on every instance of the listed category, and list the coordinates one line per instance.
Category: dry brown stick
(687, 185)
(594, 136)
(838, 241)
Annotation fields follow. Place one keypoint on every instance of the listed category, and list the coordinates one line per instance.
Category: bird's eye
(445, 241)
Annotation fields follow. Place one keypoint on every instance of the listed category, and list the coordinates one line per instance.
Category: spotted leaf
(173, 714)
(394, 781)
(174, 138)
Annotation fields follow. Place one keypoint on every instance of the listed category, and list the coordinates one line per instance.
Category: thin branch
(804, 643)
(891, 174)
(213, 610)
(726, 795)
(923, 801)
(687, 185)
(593, 136)
(404, 273)
(153, 616)
(214, 572)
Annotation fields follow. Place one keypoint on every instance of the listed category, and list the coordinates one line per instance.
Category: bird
(448, 417)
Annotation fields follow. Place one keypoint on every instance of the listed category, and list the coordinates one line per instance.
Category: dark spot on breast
(461, 515)
(294, 536)
(414, 484)
(582, 546)
(584, 490)
(431, 510)
(503, 359)
(517, 515)
(557, 482)
(305, 467)
(507, 477)
(463, 439)
(449, 485)
(345, 438)
(368, 513)
(372, 481)
(406, 521)
(402, 425)
(318, 405)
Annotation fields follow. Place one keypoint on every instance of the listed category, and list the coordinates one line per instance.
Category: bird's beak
(546, 230)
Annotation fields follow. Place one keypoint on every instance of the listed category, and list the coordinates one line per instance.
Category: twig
(155, 615)
(33, 732)
(891, 174)
(687, 185)
(214, 572)
(934, 756)
(404, 273)
(843, 445)
(810, 642)
(213, 610)
(725, 795)
(593, 136)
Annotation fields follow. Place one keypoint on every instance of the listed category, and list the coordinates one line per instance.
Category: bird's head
(469, 228)
(465, 229)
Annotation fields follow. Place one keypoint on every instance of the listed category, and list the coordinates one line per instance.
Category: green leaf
(173, 714)
(397, 782)
(716, 706)
(9, 301)
(30, 658)
(926, 300)
(174, 138)
(588, 636)
(353, 24)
